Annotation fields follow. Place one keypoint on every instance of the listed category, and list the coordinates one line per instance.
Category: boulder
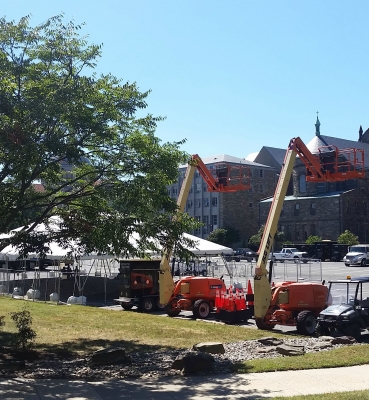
(194, 362)
(321, 345)
(290, 350)
(110, 356)
(265, 350)
(210, 347)
(270, 341)
(343, 340)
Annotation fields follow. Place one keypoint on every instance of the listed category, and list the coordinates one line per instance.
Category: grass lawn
(81, 330)
(357, 395)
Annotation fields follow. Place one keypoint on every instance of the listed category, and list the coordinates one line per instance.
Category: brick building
(325, 209)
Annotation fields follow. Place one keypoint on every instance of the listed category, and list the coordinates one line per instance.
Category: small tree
(312, 239)
(25, 337)
(255, 240)
(224, 236)
(348, 237)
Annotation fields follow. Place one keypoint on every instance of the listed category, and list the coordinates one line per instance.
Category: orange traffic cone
(242, 301)
(217, 301)
(249, 291)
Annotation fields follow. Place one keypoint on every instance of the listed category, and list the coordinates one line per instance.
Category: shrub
(25, 336)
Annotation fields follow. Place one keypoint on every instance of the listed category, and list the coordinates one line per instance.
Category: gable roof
(322, 140)
(229, 159)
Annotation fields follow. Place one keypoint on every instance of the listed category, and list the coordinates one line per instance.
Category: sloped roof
(322, 140)
(229, 159)
(277, 154)
(315, 196)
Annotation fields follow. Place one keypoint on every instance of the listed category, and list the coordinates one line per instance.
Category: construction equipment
(293, 303)
(198, 293)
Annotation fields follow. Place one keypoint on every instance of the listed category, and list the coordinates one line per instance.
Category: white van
(357, 255)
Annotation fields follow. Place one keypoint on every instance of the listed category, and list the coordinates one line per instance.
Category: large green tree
(224, 236)
(87, 144)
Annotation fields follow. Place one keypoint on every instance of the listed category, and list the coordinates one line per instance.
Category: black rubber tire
(353, 330)
(126, 307)
(274, 260)
(201, 309)
(172, 312)
(262, 325)
(363, 262)
(306, 323)
(147, 304)
(321, 330)
(158, 305)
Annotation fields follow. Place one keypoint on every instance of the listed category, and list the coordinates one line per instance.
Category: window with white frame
(205, 202)
(214, 220)
(198, 187)
(197, 203)
(214, 201)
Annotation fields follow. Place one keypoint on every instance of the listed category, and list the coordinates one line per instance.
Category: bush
(348, 237)
(312, 239)
(25, 337)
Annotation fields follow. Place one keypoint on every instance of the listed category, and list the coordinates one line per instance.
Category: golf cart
(348, 308)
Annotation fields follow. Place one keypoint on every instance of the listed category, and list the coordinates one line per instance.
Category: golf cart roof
(358, 279)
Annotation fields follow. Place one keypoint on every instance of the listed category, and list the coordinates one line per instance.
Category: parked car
(245, 254)
(357, 255)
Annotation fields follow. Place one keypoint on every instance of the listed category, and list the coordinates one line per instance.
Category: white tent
(205, 247)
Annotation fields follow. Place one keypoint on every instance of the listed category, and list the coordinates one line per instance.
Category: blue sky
(232, 76)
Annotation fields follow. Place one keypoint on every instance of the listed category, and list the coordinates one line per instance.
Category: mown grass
(82, 330)
(356, 395)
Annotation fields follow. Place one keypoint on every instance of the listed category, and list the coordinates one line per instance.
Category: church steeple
(317, 125)
(360, 133)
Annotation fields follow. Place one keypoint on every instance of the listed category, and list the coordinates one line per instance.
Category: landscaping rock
(270, 341)
(322, 345)
(290, 350)
(264, 350)
(194, 362)
(110, 356)
(210, 347)
(343, 340)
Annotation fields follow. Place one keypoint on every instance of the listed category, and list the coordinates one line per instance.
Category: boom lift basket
(231, 178)
(338, 165)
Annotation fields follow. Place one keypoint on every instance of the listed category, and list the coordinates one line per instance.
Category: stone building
(238, 210)
(329, 208)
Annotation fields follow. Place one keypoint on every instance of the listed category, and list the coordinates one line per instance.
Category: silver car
(357, 255)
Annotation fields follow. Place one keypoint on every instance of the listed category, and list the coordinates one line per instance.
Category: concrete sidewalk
(245, 386)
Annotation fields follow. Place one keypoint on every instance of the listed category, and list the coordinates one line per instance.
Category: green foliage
(347, 237)
(312, 239)
(255, 240)
(224, 236)
(26, 335)
(56, 112)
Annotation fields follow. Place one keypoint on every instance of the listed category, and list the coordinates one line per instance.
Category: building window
(205, 221)
(168, 192)
(205, 188)
(322, 187)
(297, 209)
(302, 184)
(261, 173)
(250, 190)
(288, 232)
(281, 228)
(198, 187)
(189, 204)
(197, 174)
(214, 221)
(175, 191)
(312, 208)
(198, 230)
(250, 204)
(261, 188)
(191, 189)
(304, 232)
(205, 202)
(214, 201)
(197, 203)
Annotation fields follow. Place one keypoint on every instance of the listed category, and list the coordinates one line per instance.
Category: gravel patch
(152, 364)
